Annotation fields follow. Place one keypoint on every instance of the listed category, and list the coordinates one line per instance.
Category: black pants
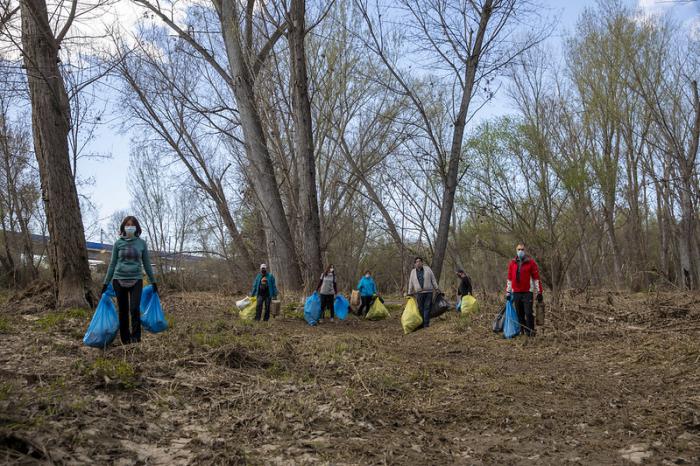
(327, 302)
(366, 303)
(425, 303)
(523, 306)
(259, 307)
(129, 302)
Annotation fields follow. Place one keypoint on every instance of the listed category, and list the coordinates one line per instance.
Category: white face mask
(130, 230)
(367, 275)
(332, 270)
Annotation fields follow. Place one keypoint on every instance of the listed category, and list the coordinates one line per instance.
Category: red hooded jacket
(528, 279)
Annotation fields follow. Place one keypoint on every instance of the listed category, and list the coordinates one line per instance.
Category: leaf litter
(611, 378)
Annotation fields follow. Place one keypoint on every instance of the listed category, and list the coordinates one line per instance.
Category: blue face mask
(130, 230)
(521, 254)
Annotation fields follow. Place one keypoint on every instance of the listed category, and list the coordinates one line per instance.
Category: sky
(110, 191)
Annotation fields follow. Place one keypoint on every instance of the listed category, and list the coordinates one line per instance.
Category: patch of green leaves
(5, 326)
(54, 319)
(114, 369)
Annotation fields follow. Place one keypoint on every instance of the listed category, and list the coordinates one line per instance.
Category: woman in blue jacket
(265, 290)
(367, 289)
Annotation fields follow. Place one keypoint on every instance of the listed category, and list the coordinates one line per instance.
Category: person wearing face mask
(129, 259)
(422, 284)
(265, 290)
(523, 282)
(367, 289)
(327, 288)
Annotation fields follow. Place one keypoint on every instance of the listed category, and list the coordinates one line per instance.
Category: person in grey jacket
(422, 284)
(327, 288)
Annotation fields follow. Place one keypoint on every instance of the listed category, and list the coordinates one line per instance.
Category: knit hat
(263, 266)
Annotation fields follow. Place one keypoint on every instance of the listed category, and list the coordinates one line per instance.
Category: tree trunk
(50, 125)
(450, 188)
(686, 240)
(303, 140)
(280, 245)
(687, 226)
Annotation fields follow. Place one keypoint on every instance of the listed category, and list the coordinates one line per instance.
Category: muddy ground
(616, 380)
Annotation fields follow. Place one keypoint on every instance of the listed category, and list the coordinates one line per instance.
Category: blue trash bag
(152, 316)
(104, 325)
(511, 324)
(146, 295)
(341, 307)
(312, 309)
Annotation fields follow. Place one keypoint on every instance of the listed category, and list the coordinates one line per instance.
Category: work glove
(539, 297)
(155, 288)
(104, 288)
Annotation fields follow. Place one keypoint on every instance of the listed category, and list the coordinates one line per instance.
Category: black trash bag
(440, 305)
(499, 320)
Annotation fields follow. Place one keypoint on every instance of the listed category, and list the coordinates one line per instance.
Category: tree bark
(450, 188)
(50, 126)
(280, 245)
(303, 140)
(687, 226)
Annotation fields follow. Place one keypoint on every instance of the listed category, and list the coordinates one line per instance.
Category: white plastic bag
(243, 303)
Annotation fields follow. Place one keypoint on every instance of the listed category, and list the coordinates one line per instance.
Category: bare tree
(304, 142)
(244, 62)
(40, 44)
(163, 85)
(470, 43)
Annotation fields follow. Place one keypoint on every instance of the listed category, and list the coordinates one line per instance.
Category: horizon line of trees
(303, 133)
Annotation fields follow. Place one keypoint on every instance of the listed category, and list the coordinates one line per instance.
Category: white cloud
(686, 13)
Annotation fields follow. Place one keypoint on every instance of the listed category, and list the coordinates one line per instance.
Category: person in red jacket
(523, 283)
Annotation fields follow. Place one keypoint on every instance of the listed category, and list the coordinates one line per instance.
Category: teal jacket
(270, 285)
(367, 286)
(128, 255)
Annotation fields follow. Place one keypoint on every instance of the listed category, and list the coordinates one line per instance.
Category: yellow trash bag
(248, 313)
(378, 311)
(469, 305)
(411, 318)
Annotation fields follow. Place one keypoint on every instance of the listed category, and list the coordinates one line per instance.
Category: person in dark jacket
(367, 289)
(523, 282)
(129, 255)
(465, 284)
(327, 288)
(265, 290)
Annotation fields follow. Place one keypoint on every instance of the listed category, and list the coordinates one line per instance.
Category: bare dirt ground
(611, 379)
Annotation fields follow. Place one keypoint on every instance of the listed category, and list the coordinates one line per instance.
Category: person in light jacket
(422, 284)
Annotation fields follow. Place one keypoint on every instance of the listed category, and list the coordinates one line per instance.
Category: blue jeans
(425, 302)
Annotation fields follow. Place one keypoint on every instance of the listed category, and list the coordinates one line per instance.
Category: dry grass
(615, 371)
